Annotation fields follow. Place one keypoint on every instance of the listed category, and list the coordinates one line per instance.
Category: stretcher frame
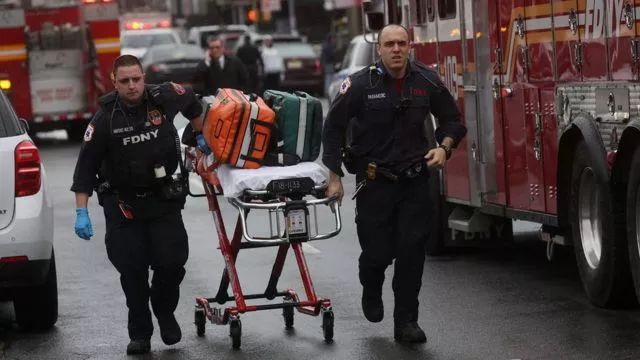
(195, 161)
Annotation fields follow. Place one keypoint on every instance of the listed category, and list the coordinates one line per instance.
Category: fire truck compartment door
(57, 81)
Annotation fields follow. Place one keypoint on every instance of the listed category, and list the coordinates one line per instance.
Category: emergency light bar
(140, 25)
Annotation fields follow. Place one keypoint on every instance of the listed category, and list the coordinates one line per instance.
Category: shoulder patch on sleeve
(88, 134)
(178, 88)
(345, 86)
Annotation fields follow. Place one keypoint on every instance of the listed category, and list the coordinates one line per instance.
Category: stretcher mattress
(235, 181)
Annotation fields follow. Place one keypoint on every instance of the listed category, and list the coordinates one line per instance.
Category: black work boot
(169, 329)
(372, 305)
(409, 333)
(138, 347)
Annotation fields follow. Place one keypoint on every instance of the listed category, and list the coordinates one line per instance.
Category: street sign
(270, 5)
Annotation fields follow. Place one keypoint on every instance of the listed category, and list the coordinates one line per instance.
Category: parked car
(358, 55)
(229, 41)
(175, 63)
(137, 42)
(257, 39)
(27, 261)
(303, 70)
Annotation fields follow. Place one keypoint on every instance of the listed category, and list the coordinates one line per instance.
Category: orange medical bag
(237, 128)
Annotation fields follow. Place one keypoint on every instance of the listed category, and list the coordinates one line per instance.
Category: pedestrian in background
(250, 56)
(328, 58)
(273, 65)
(220, 71)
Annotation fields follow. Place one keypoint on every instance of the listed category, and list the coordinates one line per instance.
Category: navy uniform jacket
(385, 126)
(124, 143)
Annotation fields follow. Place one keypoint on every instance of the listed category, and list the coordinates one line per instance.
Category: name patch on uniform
(123, 130)
(155, 117)
(346, 84)
(88, 134)
(377, 96)
(134, 139)
(178, 88)
(419, 92)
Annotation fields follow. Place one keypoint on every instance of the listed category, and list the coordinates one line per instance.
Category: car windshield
(364, 55)
(147, 40)
(357, 54)
(9, 126)
(348, 55)
(230, 42)
(287, 49)
(206, 35)
(168, 53)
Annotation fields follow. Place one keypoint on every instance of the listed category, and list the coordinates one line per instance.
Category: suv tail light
(318, 66)
(27, 169)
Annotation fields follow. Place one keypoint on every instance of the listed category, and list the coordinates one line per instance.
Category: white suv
(27, 263)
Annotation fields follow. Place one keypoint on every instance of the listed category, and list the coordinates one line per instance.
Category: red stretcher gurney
(293, 195)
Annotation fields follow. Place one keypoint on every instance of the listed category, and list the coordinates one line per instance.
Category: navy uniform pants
(393, 223)
(156, 239)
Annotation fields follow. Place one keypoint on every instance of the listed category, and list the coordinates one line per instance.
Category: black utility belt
(373, 171)
(142, 193)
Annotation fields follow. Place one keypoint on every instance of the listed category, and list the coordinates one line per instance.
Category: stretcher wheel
(235, 331)
(327, 325)
(287, 313)
(200, 320)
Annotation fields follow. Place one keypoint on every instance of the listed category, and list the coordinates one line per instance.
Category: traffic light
(252, 16)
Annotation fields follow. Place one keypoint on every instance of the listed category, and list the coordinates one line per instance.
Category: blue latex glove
(83, 224)
(202, 144)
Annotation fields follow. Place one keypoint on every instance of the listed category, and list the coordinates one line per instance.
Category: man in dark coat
(220, 71)
(250, 56)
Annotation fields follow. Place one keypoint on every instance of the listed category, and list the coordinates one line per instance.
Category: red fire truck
(55, 58)
(549, 93)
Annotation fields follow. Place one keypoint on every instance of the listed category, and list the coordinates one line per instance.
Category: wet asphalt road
(505, 302)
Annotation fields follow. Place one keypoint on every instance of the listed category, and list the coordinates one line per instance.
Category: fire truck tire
(633, 219)
(601, 256)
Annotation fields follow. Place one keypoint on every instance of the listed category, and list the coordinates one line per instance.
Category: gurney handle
(318, 189)
(243, 206)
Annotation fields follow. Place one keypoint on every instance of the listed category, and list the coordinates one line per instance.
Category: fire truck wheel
(601, 256)
(633, 219)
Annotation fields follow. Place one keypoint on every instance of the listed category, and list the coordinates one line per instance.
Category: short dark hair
(392, 25)
(125, 60)
(212, 38)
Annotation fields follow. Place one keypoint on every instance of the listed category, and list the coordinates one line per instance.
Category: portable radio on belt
(371, 171)
(126, 210)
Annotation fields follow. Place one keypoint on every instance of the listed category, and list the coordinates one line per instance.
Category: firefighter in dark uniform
(383, 108)
(130, 152)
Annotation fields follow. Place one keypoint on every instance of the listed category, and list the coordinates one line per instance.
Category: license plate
(294, 64)
(296, 222)
(302, 185)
